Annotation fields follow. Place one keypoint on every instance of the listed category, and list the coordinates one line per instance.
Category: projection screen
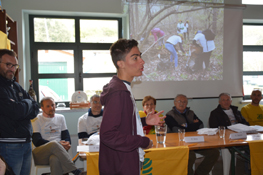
(195, 73)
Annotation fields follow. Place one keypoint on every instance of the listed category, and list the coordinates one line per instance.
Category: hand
(154, 119)
(150, 144)
(196, 121)
(65, 144)
(2, 167)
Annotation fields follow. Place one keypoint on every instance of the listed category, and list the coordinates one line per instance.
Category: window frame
(252, 48)
(77, 48)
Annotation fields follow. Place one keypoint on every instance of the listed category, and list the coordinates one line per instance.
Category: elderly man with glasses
(89, 123)
(182, 117)
(17, 108)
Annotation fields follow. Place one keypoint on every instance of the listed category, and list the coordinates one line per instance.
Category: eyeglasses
(96, 102)
(10, 65)
(183, 102)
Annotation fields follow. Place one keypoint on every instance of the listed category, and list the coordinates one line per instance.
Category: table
(213, 141)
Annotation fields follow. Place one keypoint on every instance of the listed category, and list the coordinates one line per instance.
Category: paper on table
(257, 127)
(207, 131)
(242, 128)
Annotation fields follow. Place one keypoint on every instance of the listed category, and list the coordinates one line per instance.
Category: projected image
(178, 42)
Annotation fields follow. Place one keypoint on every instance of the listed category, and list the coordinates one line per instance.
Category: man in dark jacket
(121, 133)
(182, 117)
(225, 114)
(17, 108)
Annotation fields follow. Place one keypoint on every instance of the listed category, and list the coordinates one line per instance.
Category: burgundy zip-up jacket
(119, 141)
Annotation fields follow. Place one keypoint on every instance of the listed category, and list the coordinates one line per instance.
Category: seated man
(89, 123)
(253, 112)
(52, 140)
(149, 104)
(225, 114)
(182, 117)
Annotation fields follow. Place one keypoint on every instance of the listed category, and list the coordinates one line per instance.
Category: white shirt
(138, 122)
(49, 128)
(207, 45)
(89, 124)
(231, 116)
(174, 40)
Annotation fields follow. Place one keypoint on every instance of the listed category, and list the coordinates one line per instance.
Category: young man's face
(132, 66)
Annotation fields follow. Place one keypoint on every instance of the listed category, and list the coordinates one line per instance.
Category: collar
(90, 113)
(179, 111)
(126, 82)
(7, 81)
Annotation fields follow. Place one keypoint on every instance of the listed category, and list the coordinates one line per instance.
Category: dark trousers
(210, 158)
(203, 57)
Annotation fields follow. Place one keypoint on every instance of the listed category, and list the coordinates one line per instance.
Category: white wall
(19, 10)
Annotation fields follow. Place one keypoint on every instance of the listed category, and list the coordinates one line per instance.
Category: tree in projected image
(166, 16)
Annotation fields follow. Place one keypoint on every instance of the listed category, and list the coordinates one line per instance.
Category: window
(252, 58)
(71, 53)
(252, 2)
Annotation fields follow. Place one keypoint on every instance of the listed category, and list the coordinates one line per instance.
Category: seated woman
(149, 104)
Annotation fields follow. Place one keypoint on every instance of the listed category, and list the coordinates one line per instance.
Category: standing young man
(121, 133)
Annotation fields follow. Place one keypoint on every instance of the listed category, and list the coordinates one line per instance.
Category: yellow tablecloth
(256, 157)
(4, 42)
(172, 161)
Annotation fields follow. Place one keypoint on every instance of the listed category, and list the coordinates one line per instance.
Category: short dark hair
(120, 49)
(8, 52)
(148, 98)
(44, 99)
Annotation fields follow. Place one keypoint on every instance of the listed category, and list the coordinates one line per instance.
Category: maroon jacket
(119, 141)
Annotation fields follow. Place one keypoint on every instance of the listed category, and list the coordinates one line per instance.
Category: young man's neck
(124, 77)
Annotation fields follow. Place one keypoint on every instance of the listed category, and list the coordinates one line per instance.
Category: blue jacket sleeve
(65, 136)
(38, 140)
(25, 108)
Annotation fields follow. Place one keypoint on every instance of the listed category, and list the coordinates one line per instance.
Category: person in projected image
(89, 123)
(253, 112)
(52, 140)
(204, 39)
(158, 33)
(149, 104)
(180, 27)
(182, 117)
(170, 44)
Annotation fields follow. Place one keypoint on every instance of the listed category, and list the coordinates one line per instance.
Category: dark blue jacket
(17, 108)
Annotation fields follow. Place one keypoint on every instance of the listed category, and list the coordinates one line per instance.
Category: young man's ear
(120, 64)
